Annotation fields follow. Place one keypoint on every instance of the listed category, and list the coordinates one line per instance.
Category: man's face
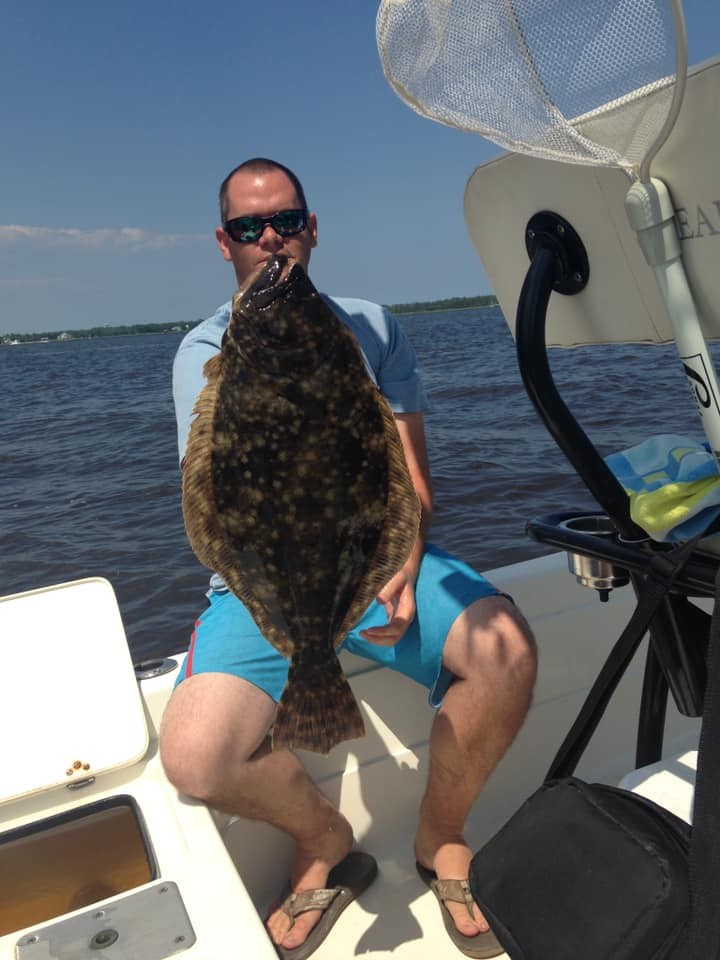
(263, 194)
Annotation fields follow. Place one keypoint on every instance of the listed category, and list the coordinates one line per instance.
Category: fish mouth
(271, 281)
(270, 273)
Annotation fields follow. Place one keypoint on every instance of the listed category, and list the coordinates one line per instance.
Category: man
(479, 649)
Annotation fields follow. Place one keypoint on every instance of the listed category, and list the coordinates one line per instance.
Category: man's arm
(398, 596)
(411, 430)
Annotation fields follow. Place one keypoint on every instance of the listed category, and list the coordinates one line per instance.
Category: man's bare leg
(491, 652)
(228, 765)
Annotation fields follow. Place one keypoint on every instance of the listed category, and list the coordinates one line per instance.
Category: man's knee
(492, 635)
(193, 763)
(209, 731)
(517, 641)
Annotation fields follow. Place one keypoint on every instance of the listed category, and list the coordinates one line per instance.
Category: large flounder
(296, 491)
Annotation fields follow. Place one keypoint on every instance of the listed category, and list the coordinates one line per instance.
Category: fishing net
(532, 75)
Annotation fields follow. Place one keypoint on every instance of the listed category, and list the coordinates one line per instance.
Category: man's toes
(465, 924)
(300, 929)
(277, 926)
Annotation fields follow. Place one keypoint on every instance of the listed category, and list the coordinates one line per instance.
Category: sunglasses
(286, 223)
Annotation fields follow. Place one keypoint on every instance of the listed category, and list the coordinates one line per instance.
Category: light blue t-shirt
(389, 358)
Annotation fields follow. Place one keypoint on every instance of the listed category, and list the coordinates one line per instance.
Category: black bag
(585, 872)
(592, 872)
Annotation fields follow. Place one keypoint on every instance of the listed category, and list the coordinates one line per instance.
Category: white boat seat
(621, 302)
(669, 783)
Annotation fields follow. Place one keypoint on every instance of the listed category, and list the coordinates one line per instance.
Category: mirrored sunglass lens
(289, 221)
(247, 229)
(250, 229)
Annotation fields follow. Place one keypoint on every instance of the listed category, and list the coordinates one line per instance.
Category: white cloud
(111, 238)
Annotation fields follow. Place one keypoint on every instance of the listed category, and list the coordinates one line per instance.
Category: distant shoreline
(452, 303)
(91, 333)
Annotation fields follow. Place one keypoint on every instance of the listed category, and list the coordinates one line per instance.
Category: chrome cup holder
(600, 575)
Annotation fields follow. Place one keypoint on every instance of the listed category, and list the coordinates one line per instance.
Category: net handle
(681, 66)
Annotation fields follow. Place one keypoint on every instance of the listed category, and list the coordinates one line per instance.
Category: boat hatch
(151, 924)
(69, 701)
(66, 862)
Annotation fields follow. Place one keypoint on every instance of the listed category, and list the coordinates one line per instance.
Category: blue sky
(119, 120)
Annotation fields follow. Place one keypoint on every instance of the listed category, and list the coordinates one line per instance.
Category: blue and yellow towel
(673, 484)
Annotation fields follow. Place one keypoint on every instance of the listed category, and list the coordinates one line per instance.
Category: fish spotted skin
(296, 491)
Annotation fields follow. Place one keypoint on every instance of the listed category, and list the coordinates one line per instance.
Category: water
(90, 484)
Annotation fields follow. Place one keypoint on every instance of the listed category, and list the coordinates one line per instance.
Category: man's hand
(398, 598)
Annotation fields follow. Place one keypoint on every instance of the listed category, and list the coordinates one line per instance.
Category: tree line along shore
(425, 306)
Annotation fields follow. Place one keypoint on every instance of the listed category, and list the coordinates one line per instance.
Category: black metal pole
(540, 386)
(555, 251)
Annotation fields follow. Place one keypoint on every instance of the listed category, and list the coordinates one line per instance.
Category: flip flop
(482, 945)
(345, 883)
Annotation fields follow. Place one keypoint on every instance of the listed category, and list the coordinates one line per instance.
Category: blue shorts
(226, 639)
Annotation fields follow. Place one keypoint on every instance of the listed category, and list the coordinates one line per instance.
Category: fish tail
(317, 709)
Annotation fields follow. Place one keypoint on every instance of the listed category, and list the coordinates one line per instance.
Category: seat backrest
(621, 302)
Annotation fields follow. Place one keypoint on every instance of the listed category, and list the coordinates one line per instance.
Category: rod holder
(598, 574)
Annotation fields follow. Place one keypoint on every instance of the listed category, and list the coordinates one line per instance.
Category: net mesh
(533, 75)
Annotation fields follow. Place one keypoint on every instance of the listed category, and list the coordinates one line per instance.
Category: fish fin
(212, 367)
(400, 529)
(199, 514)
(317, 709)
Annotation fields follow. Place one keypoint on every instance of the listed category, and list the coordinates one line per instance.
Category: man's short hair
(259, 165)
